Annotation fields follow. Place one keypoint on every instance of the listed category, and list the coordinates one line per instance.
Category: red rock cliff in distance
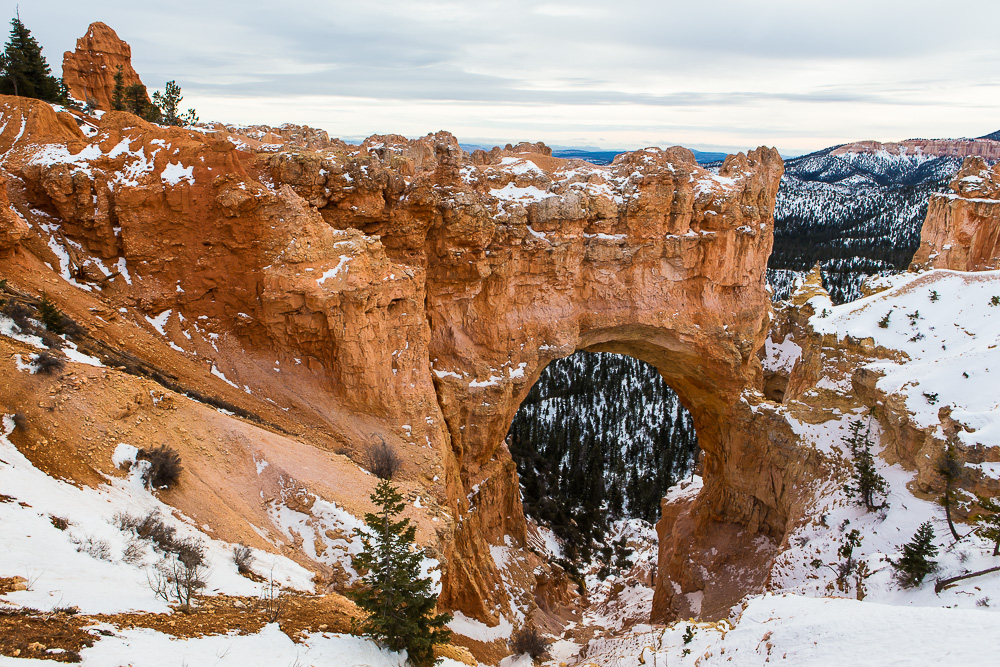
(986, 148)
(89, 72)
(962, 228)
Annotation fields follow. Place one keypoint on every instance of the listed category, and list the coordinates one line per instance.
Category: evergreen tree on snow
(399, 602)
(916, 563)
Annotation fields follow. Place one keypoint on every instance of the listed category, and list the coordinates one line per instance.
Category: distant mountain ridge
(857, 208)
(602, 157)
(606, 157)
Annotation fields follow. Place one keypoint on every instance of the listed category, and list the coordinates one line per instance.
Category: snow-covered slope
(92, 564)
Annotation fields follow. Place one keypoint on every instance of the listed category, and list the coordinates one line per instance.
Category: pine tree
(989, 524)
(867, 484)
(916, 563)
(51, 316)
(399, 602)
(118, 94)
(23, 68)
(168, 103)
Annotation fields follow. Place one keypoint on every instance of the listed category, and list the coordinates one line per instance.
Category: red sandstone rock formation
(985, 148)
(962, 228)
(89, 72)
(415, 295)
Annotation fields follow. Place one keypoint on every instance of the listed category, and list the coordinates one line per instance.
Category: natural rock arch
(424, 290)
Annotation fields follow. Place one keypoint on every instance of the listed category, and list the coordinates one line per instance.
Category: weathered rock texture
(89, 71)
(962, 228)
(406, 292)
(986, 148)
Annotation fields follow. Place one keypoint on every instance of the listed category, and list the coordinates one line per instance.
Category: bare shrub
(21, 421)
(51, 340)
(271, 602)
(59, 522)
(150, 527)
(243, 557)
(164, 467)
(189, 551)
(19, 313)
(125, 521)
(383, 462)
(47, 363)
(93, 547)
(529, 641)
(177, 581)
(134, 552)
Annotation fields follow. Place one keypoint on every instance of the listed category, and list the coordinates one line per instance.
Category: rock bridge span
(415, 292)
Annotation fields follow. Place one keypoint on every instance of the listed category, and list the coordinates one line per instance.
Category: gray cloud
(726, 54)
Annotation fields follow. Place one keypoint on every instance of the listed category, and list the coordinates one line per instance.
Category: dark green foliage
(867, 485)
(934, 295)
(399, 602)
(118, 94)
(599, 437)
(916, 563)
(133, 99)
(995, 301)
(50, 315)
(884, 322)
(164, 467)
(988, 522)
(23, 69)
(168, 105)
(688, 635)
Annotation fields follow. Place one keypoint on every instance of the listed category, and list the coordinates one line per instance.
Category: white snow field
(268, 648)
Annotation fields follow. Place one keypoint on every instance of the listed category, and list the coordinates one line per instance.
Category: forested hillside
(599, 437)
(857, 214)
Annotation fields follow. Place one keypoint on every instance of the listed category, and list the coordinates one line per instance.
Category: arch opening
(599, 438)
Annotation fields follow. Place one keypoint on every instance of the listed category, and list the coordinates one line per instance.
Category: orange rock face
(421, 292)
(962, 228)
(89, 71)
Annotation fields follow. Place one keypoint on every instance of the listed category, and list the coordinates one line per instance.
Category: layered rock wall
(423, 292)
(985, 148)
(962, 228)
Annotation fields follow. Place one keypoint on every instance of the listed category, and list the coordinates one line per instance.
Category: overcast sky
(708, 74)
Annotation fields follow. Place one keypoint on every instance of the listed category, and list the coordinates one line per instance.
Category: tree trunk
(945, 583)
(947, 511)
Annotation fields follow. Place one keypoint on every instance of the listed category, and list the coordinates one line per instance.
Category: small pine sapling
(399, 602)
(50, 315)
(931, 397)
(916, 563)
(934, 295)
(995, 301)
(988, 522)
(867, 485)
(884, 322)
